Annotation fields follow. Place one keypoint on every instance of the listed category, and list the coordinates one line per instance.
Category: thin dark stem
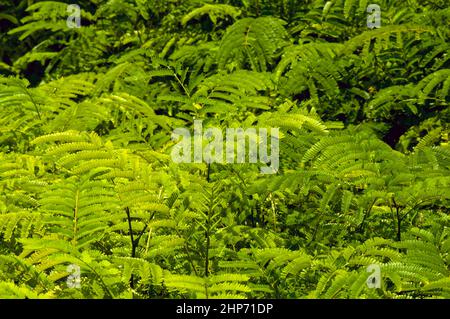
(133, 244)
(130, 230)
(208, 243)
(140, 235)
(399, 220)
(361, 226)
(209, 172)
(208, 230)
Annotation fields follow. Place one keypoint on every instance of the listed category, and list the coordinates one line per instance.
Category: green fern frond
(214, 11)
(252, 43)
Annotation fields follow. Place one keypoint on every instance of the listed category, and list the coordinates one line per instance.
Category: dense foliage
(87, 179)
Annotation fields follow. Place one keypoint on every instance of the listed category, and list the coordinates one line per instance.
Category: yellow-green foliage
(87, 180)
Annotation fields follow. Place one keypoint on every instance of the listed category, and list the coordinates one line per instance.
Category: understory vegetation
(89, 191)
